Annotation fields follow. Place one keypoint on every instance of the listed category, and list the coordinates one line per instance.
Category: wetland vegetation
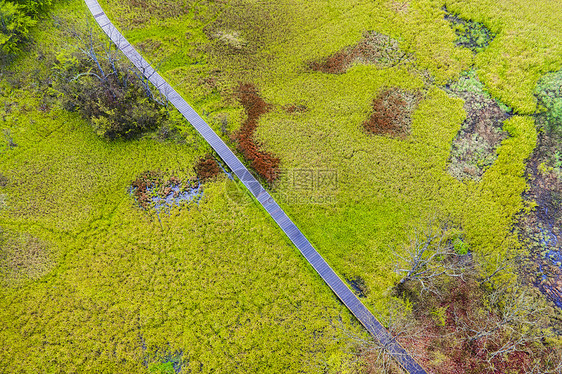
(433, 126)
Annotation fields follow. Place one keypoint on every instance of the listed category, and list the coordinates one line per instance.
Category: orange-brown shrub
(391, 115)
(207, 168)
(264, 163)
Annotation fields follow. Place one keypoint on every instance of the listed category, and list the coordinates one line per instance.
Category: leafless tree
(515, 317)
(494, 265)
(110, 62)
(492, 312)
(428, 255)
(376, 354)
(550, 363)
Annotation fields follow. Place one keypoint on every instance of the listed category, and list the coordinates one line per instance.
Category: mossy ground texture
(213, 284)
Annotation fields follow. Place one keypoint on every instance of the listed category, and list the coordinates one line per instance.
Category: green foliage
(169, 363)
(17, 17)
(14, 26)
(469, 82)
(439, 314)
(162, 368)
(558, 162)
(549, 95)
(34, 7)
(461, 247)
(115, 111)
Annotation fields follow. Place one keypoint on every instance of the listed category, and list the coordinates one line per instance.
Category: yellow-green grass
(386, 186)
(215, 281)
(526, 46)
(119, 269)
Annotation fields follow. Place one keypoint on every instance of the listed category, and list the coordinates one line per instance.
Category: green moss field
(90, 282)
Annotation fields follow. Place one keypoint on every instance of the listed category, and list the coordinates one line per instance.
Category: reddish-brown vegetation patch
(296, 108)
(335, 64)
(374, 48)
(392, 113)
(466, 327)
(264, 163)
(156, 188)
(207, 168)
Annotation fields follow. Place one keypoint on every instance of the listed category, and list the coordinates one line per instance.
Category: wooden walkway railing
(312, 256)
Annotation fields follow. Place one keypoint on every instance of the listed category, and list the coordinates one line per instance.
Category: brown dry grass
(22, 257)
(207, 168)
(296, 108)
(392, 113)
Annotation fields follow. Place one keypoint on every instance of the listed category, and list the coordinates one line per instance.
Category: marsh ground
(214, 284)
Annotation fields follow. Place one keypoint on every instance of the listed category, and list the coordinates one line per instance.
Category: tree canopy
(16, 19)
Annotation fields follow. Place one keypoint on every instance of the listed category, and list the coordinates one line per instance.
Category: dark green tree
(17, 17)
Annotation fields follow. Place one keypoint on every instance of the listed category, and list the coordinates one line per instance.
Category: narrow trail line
(312, 256)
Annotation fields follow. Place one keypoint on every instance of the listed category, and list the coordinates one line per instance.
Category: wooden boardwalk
(312, 256)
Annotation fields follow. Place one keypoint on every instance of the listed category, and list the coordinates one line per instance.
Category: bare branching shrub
(97, 81)
(375, 355)
(428, 255)
(477, 316)
(513, 319)
(549, 363)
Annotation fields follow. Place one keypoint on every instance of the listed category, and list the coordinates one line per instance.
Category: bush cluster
(16, 19)
(549, 95)
(96, 81)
